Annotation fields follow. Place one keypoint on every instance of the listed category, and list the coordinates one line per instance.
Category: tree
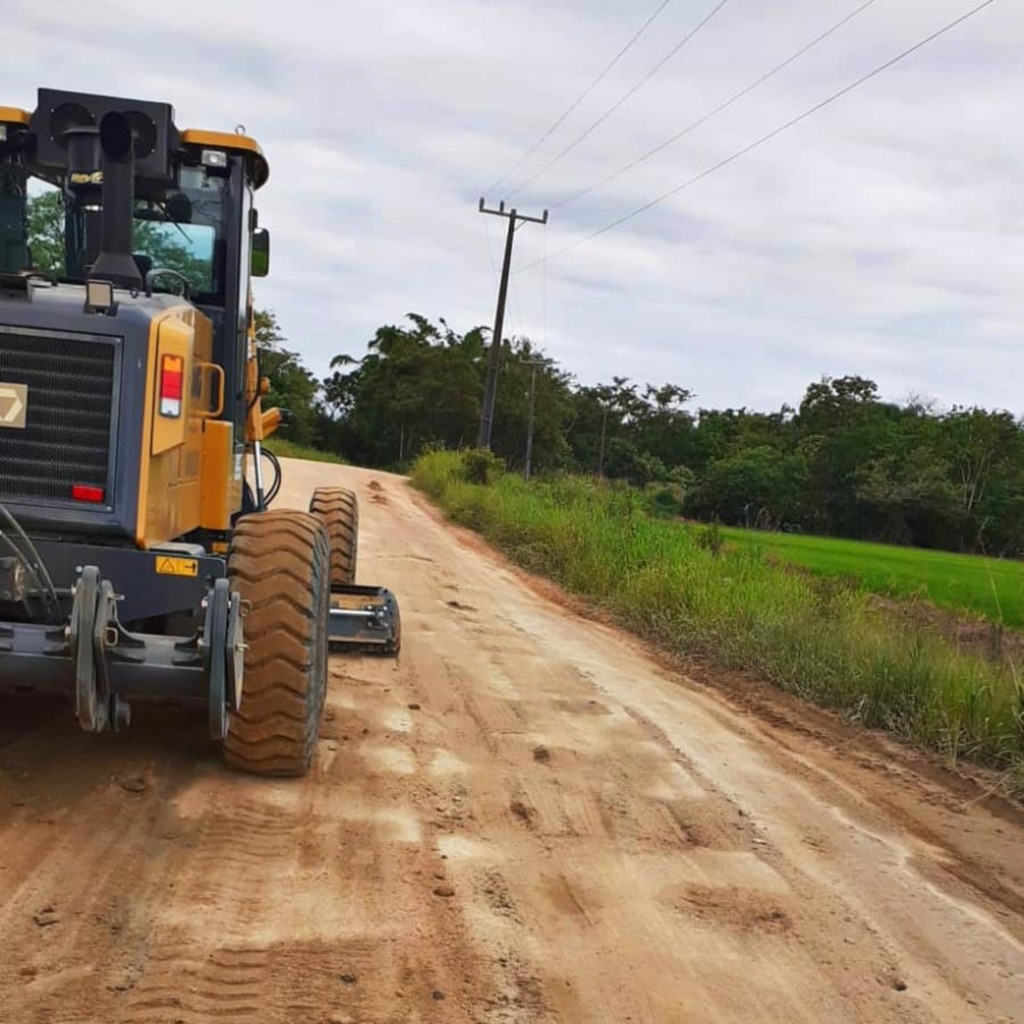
(908, 497)
(754, 487)
(415, 386)
(601, 413)
(836, 401)
(422, 384)
(663, 426)
(552, 408)
(292, 386)
(627, 461)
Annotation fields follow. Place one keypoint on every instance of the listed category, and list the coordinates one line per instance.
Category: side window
(45, 221)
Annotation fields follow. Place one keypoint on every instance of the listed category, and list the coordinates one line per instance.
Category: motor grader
(139, 561)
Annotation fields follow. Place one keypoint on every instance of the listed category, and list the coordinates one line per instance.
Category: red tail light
(84, 492)
(172, 375)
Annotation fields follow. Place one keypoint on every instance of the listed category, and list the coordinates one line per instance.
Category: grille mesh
(66, 440)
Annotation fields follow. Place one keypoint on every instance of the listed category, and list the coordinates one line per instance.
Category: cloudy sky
(883, 236)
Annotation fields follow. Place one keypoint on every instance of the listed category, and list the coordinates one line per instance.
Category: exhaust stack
(115, 262)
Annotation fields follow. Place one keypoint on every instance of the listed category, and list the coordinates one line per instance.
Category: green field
(991, 587)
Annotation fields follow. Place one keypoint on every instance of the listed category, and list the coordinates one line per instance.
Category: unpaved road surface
(525, 818)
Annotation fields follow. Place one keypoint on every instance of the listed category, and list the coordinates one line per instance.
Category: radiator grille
(67, 436)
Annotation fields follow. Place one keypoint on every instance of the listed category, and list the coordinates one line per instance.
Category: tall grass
(682, 589)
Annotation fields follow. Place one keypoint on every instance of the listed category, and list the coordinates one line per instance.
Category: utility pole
(604, 430)
(491, 387)
(529, 423)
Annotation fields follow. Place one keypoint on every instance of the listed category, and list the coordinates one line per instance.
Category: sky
(881, 236)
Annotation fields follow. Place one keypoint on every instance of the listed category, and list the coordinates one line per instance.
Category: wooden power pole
(534, 363)
(491, 387)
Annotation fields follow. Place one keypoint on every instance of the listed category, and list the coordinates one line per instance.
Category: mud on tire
(338, 510)
(279, 564)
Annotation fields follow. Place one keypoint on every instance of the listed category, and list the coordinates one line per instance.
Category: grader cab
(139, 561)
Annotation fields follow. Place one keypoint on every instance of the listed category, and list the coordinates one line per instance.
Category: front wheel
(280, 564)
(338, 509)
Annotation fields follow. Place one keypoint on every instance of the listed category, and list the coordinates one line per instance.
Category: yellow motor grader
(139, 561)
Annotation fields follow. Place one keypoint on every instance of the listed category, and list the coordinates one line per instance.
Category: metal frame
(105, 667)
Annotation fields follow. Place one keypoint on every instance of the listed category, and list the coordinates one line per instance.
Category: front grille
(67, 435)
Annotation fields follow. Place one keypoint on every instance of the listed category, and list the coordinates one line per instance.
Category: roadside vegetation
(730, 605)
(290, 450)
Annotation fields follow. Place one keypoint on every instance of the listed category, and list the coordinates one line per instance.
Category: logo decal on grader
(13, 405)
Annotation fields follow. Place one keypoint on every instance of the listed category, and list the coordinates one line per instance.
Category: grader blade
(364, 618)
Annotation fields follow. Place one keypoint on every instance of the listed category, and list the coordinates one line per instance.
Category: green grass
(991, 587)
(815, 637)
(289, 450)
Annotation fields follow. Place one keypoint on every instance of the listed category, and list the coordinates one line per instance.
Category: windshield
(182, 231)
(165, 244)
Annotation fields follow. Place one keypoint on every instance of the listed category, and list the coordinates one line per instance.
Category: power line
(767, 138)
(579, 99)
(622, 99)
(718, 110)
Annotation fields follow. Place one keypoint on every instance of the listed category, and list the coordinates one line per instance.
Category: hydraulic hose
(32, 561)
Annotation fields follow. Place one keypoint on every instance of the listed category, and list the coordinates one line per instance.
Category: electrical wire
(622, 99)
(718, 110)
(767, 138)
(579, 99)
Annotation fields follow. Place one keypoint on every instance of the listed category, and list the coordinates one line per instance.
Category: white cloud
(879, 237)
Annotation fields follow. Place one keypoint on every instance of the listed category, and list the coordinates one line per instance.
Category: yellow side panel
(221, 492)
(170, 495)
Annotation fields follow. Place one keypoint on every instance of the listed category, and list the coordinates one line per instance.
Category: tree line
(842, 463)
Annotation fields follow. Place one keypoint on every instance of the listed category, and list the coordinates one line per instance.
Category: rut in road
(523, 819)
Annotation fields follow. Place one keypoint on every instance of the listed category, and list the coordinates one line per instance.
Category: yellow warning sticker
(167, 566)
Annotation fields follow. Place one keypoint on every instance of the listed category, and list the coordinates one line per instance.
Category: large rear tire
(279, 564)
(338, 510)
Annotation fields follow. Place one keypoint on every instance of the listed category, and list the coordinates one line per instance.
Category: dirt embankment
(524, 819)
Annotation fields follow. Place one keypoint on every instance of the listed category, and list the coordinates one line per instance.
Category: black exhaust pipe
(115, 262)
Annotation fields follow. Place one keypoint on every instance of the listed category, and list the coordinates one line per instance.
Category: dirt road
(523, 819)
